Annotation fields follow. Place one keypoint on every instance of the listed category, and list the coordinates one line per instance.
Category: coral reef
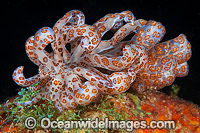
(148, 105)
(72, 77)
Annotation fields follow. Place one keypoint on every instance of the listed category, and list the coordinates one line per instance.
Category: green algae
(46, 109)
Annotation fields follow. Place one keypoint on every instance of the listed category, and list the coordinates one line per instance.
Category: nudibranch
(166, 61)
(74, 76)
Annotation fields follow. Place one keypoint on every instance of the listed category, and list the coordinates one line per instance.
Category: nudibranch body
(75, 76)
(166, 61)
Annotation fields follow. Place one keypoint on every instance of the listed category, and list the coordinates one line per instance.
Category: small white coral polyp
(72, 77)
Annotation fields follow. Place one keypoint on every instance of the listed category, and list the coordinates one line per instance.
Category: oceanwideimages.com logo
(46, 123)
